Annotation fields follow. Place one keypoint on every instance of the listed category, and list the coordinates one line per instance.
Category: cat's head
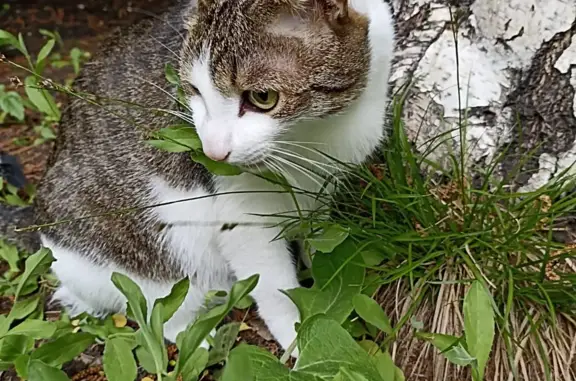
(253, 69)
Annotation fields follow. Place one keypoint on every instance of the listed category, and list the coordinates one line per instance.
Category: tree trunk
(516, 61)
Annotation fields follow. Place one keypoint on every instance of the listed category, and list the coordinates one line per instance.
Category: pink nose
(218, 156)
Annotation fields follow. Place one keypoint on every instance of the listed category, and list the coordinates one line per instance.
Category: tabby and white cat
(267, 82)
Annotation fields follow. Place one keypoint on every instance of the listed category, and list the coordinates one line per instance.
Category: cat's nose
(218, 155)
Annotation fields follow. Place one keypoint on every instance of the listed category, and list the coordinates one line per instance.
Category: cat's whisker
(177, 56)
(315, 163)
(305, 171)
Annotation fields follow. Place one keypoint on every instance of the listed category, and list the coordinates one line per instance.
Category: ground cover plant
(420, 270)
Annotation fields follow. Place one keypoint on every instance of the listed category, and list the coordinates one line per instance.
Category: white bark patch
(567, 62)
(498, 39)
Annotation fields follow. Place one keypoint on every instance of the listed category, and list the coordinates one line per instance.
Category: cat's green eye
(263, 100)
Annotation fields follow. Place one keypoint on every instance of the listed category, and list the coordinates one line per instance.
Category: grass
(446, 260)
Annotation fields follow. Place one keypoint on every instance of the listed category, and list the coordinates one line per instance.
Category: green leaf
(12, 103)
(244, 303)
(224, 340)
(174, 300)
(216, 167)
(193, 336)
(166, 145)
(24, 307)
(325, 347)
(118, 361)
(63, 349)
(13, 346)
(45, 51)
(171, 74)
(195, 365)
(250, 363)
(332, 236)
(479, 325)
(41, 98)
(183, 134)
(7, 38)
(386, 367)
(36, 264)
(37, 329)
(10, 254)
(145, 360)
(336, 281)
(21, 365)
(133, 294)
(372, 313)
(75, 57)
(347, 375)
(38, 371)
(450, 347)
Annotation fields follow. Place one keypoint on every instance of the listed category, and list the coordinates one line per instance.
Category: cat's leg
(252, 251)
(87, 287)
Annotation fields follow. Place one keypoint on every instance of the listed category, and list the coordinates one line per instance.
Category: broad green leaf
(244, 303)
(12, 103)
(4, 324)
(372, 313)
(10, 254)
(215, 167)
(13, 346)
(183, 134)
(157, 321)
(134, 295)
(171, 74)
(166, 145)
(325, 347)
(251, 363)
(332, 236)
(223, 342)
(386, 367)
(63, 349)
(174, 300)
(21, 364)
(118, 361)
(45, 51)
(38, 371)
(157, 350)
(347, 375)
(145, 360)
(41, 98)
(195, 365)
(37, 329)
(479, 325)
(450, 347)
(336, 281)
(193, 336)
(154, 346)
(24, 307)
(35, 264)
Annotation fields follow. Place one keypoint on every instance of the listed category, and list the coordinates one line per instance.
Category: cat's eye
(263, 100)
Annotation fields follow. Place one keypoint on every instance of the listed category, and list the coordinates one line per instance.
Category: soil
(83, 24)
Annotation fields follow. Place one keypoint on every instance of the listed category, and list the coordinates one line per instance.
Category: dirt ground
(83, 24)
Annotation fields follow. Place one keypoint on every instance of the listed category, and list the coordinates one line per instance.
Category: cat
(266, 83)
